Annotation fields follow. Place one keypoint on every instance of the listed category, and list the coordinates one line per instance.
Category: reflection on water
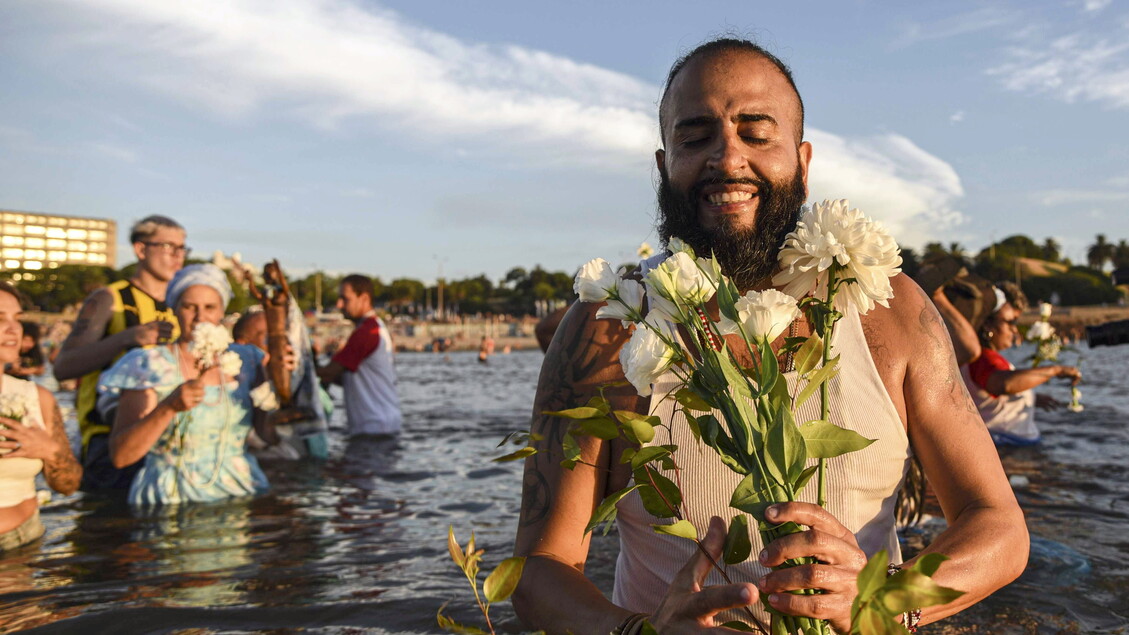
(359, 542)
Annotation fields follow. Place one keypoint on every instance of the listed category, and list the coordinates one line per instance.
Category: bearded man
(734, 172)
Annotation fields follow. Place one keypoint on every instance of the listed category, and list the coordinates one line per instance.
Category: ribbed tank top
(17, 475)
(862, 486)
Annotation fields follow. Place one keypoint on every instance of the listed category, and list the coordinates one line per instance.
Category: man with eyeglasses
(124, 315)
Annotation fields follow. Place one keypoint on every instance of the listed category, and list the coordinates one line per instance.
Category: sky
(428, 138)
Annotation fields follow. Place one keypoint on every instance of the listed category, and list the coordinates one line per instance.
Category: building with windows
(44, 241)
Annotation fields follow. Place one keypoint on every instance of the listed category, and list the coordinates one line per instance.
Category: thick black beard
(747, 256)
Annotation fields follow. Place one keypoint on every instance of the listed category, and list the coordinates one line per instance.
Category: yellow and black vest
(132, 307)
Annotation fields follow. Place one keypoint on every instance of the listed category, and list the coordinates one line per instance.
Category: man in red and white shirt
(364, 365)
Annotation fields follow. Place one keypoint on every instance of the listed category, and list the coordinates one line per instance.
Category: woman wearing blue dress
(190, 426)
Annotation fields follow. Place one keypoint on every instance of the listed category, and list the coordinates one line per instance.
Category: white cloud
(1081, 66)
(1094, 6)
(963, 24)
(328, 62)
(956, 117)
(115, 152)
(1051, 198)
(891, 179)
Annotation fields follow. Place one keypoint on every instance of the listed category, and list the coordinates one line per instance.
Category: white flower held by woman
(208, 342)
(645, 357)
(14, 406)
(1040, 331)
(264, 398)
(830, 234)
(762, 314)
(230, 363)
(1045, 310)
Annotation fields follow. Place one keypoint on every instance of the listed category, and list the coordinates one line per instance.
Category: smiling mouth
(722, 198)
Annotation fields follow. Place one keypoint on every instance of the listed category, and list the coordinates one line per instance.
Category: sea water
(358, 543)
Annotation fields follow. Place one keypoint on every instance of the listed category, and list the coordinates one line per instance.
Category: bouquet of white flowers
(836, 258)
(209, 345)
(15, 407)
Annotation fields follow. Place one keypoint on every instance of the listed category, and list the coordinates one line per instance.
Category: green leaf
(599, 403)
(909, 589)
(795, 447)
(661, 497)
(738, 546)
(825, 373)
(804, 477)
(871, 621)
(451, 625)
(690, 400)
(516, 456)
(873, 575)
(693, 423)
(648, 454)
(571, 451)
(770, 368)
(647, 629)
(809, 355)
(583, 412)
(682, 529)
(453, 547)
(502, 582)
(727, 300)
(738, 626)
(929, 563)
(628, 454)
(600, 427)
(711, 429)
(825, 440)
(751, 496)
(776, 459)
(606, 510)
(636, 427)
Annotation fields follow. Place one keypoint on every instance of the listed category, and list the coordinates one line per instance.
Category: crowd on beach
(173, 408)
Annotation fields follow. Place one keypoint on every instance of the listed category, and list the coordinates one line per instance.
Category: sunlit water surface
(358, 544)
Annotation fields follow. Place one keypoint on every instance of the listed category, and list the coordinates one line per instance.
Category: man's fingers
(694, 571)
(712, 600)
(809, 576)
(810, 515)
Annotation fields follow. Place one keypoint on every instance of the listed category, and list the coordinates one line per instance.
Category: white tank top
(1009, 415)
(862, 486)
(17, 476)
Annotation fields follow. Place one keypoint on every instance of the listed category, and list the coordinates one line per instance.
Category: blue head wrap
(206, 274)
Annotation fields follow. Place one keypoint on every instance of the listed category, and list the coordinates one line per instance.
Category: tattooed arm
(60, 468)
(86, 350)
(557, 503)
(987, 535)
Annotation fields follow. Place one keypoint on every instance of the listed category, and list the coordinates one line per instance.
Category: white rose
(593, 280)
(764, 314)
(645, 357)
(1040, 331)
(830, 233)
(625, 302)
(1045, 310)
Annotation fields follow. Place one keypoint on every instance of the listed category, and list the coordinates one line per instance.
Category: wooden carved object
(275, 298)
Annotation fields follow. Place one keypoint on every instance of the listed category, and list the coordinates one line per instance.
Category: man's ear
(139, 251)
(804, 152)
(660, 161)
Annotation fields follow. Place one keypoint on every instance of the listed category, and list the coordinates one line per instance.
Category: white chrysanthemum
(683, 281)
(625, 302)
(645, 357)
(593, 280)
(1040, 331)
(14, 406)
(763, 314)
(264, 398)
(1045, 310)
(208, 341)
(230, 363)
(830, 233)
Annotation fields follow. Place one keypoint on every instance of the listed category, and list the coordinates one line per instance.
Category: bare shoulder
(584, 351)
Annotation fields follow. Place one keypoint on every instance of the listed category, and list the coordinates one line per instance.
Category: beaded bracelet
(910, 619)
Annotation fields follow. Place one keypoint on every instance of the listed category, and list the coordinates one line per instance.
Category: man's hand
(150, 334)
(836, 574)
(687, 607)
(187, 395)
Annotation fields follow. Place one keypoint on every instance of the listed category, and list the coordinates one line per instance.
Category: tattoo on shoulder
(958, 392)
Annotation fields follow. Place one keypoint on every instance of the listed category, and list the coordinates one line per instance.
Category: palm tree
(1121, 254)
(1051, 250)
(1099, 253)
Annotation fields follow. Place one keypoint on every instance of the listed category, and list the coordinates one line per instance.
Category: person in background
(364, 366)
(1003, 394)
(188, 424)
(31, 362)
(125, 315)
(36, 443)
(251, 328)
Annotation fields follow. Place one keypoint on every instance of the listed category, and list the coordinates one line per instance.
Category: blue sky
(403, 137)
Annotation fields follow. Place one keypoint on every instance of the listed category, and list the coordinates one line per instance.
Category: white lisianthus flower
(14, 406)
(830, 233)
(676, 244)
(593, 280)
(645, 357)
(645, 250)
(625, 302)
(763, 314)
(230, 363)
(682, 280)
(1045, 310)
(1040, 331)
(208, 341)
(264, 398)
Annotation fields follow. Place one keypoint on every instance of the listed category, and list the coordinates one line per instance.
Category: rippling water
(359, 543)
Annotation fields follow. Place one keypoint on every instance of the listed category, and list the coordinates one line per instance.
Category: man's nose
(728, 153)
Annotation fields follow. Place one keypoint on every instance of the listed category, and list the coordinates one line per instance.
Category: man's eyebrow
(755, 117)
(706, 120)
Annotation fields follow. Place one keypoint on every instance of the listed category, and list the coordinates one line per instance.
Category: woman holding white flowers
(32, 438)
(187, 407)
(1003, 394)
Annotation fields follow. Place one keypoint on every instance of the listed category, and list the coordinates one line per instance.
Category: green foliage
(881, 598)
(56, 289)
(1076, 286)
(498, 586)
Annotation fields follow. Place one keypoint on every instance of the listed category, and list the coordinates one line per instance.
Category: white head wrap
(206, 274)
(1001, 299)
